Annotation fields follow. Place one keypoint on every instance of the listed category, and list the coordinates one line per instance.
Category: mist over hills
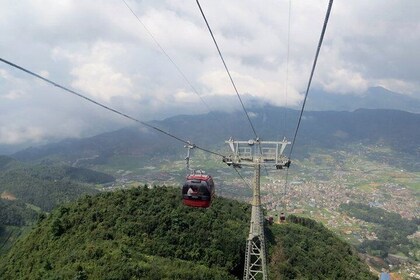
(373, 98)
(324, 129)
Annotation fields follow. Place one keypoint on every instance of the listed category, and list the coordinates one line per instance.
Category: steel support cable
(287, 68)
(169, 58)
(307, 91)
(312, 73)
(287, 88)
(243, 179)
(286, 183)
(105, 107)
(230, 77)
(227, 70)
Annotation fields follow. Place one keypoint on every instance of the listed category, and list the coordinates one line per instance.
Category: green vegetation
(16, 213)
(4, 162)
(391, 229)
(305, 249)
(15, 217)
(146, 233)
(27, 189)
(46, 186)
(84, 175)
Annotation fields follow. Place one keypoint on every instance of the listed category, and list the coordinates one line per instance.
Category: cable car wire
(230, 77)
(287, 68)
(286, 91)
(327, 15)
(312, 74)
(106, 107)
(182, 74)
(227, 70)
(243, 179)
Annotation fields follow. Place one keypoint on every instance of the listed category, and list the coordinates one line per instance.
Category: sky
(162, 61)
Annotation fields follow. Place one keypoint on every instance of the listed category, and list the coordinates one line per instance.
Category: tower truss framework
(256, 153)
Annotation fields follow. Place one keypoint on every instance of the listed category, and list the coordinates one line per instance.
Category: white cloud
(100, 49)
(101, 81)
(94, 71)
(345, 81)
(186, 97)
(11, 88)
(398, 86)
(13, 95)
(252, 115)
(16, 135)
(44, 73)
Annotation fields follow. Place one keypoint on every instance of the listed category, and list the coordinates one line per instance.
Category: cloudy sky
(100, 49)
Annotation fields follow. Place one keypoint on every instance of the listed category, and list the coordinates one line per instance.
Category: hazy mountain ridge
(329, 129)
(373, 98)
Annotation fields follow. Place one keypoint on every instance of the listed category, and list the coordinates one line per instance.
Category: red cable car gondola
(282, 217)
(198, 191)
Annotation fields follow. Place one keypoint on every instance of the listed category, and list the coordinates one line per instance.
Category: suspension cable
(105, 107)
(181, 73)
(230, 77)
(243, 179)
(306, 94)
(227, 70)
(287, 67)
(286, 90)
(312, 74)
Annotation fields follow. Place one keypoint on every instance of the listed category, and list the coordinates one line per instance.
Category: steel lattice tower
(256, 153)
(255, 254)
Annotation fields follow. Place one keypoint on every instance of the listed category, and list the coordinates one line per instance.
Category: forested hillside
(8, 163)
(146, 233)
(15, 216)
(27, 189)
(15, 213)
(46, 186)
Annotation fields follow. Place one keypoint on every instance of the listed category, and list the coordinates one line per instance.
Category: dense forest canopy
(147, 233)
(16, 213)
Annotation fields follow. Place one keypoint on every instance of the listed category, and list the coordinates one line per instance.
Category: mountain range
(395, 129)
(373, 98)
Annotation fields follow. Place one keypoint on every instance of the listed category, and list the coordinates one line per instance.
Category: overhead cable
(167, 55)
(104, 106)
(243, 179)
(227, 70)
(287, 68)
(312, 73)
(230, 77)
(287, 87)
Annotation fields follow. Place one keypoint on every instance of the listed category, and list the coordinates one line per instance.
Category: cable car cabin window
(198, 192)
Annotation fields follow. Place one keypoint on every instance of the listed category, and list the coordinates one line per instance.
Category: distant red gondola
(282, 217)
(198, 191)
